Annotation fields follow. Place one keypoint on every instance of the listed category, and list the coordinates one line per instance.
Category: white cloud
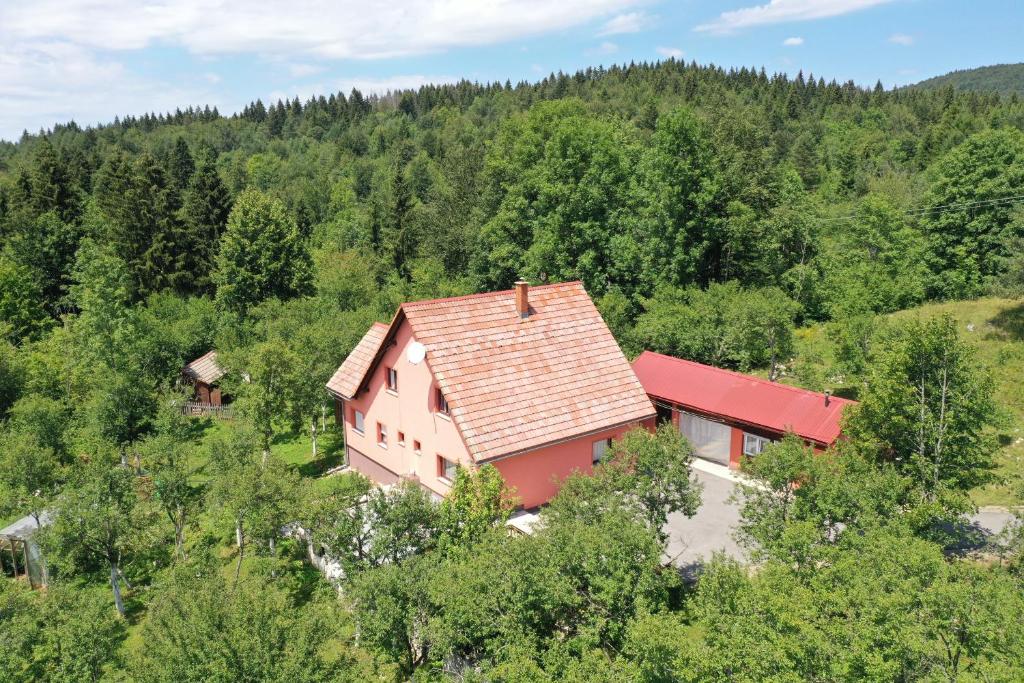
(605, 48)
(211, 77)
(53, 82)
(303, 70)
(670, 52)
(339, 29)
(784, 11)
(633, 22)
(901, 39)
(63, 59)
(793, 42)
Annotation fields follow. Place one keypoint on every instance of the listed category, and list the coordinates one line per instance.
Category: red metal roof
(739, 397)
(517, 384)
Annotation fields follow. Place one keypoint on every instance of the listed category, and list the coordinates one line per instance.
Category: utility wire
(939, 209)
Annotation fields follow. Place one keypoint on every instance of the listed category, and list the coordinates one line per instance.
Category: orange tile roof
(204, 369)
(349, 376)
(517, 384)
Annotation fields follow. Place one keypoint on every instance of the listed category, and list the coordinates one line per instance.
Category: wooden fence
(197, 409)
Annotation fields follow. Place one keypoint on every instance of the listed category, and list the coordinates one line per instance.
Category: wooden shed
(204, 375)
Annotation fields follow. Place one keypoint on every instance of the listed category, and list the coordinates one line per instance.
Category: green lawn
(294, 448)
(995, 327)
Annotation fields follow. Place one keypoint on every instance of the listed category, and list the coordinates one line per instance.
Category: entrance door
(710, 439)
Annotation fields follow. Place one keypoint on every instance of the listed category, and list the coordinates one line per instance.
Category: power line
(939, 209)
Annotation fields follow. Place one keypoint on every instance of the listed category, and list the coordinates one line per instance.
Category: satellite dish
(416, 353)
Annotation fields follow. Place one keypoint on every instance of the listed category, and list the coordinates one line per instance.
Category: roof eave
(750, 423)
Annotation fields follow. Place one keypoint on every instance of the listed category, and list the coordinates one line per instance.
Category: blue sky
(90, 60)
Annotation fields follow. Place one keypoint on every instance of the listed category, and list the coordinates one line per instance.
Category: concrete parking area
(693, 540)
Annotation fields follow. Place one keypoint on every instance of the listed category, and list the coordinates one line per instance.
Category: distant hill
(1001, 78)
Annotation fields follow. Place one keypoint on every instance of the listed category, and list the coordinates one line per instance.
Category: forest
(732, 217)
(1005, 79)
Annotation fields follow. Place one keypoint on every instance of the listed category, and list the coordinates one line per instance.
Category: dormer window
(392, 380)
(441, 401)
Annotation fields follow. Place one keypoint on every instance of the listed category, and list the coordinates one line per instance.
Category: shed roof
(516, 384)
(25, 527)
(204, 369)
(743, 398)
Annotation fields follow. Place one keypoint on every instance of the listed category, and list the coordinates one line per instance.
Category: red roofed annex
(727, 415)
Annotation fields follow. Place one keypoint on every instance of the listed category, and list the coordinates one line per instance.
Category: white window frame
(391, 380)
(382, 435)
(598, 450)
(359, 421)
(754, 445)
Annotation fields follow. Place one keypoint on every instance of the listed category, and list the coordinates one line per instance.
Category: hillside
(1004, 79)
(995, 327)
(729, 217)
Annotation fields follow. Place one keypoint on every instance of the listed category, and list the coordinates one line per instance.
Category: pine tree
(141, 205)
(50, 186)
(180, 165)
(204, 212)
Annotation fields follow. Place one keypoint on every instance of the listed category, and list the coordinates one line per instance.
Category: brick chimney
(523, 298)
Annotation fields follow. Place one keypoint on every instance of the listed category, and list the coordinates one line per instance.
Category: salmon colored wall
(410, 410)
(736, 437)
(536, 476)
(736, 449)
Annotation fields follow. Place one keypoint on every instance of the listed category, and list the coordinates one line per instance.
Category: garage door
(710, 439)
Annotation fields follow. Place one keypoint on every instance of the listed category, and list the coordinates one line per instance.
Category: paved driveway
(692, 541)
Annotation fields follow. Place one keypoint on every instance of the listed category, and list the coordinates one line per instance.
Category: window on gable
(392, 379)
(441, 402)
(382, 434)
(358, 421)
(753, 444)
(446, 469)
(599, 449)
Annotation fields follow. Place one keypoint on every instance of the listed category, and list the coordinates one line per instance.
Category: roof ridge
(481, 295)
(752, 378)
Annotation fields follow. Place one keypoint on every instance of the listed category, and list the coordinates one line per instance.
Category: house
(727, 415)
(529, 380)
(204, 375)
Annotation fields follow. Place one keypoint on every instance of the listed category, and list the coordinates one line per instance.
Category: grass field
(996, 329)
(293, 448)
